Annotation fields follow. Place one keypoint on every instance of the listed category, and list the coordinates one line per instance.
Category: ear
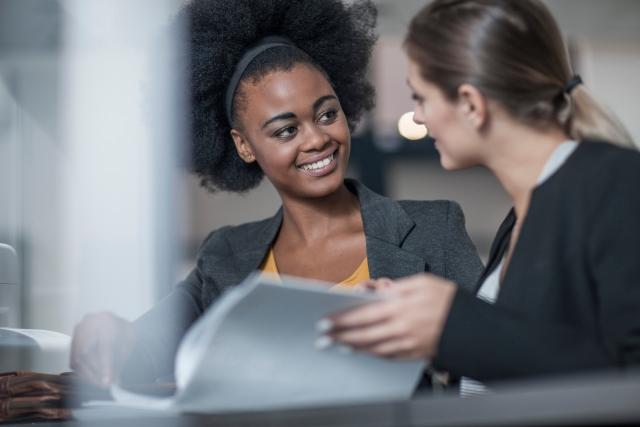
(242, 146)
(473, 105)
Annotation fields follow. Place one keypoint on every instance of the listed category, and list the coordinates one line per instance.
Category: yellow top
(361, 274)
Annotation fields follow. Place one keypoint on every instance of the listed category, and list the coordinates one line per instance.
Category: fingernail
(324, 325)
(323, 342)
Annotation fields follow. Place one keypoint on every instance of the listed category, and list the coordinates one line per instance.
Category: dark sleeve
(490, 342)
(160, 330)
(462, 263)
(614, 257)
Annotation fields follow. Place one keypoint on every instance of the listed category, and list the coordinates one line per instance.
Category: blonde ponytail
(588, 119)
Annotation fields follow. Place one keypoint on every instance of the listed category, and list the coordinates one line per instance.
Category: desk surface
(593, 400)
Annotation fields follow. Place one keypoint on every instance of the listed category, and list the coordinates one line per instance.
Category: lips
(321, 166)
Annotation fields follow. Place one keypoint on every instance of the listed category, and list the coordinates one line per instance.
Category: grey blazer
(402, 238)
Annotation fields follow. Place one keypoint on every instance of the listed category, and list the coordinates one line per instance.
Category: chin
(450, 165)
(328, 186)
(323, 187)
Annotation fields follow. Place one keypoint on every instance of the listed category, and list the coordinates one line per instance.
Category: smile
(320, 167)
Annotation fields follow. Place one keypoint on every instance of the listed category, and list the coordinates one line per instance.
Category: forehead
(281, 91)
(413, 73)
(418, 83)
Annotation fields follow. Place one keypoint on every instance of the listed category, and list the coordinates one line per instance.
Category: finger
(78, 341)
(86, 366)
(122, 352)
(82, 358)
(105, 357)
(368, 335)
(409, 285)
(401, 348)
(362, 316)
(384, 283)
(367, 284)
(378, 285)
(74, 356)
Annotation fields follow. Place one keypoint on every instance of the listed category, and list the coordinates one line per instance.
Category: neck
(517, 156)
(314, 219)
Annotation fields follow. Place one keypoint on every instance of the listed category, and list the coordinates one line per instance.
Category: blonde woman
(561, 292)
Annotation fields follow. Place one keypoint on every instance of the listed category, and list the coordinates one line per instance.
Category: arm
(499, 343)
(159, 332)
(614, 251)
(490, 342)
(106, 347)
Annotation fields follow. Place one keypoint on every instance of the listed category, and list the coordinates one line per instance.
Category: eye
(417, 98)
(328, 116)
(287, 132)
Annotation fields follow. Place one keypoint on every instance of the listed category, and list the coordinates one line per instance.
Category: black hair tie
(571, 84)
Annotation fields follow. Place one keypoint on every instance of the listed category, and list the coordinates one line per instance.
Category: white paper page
(34, 350)
(46, 340)
(254, 349)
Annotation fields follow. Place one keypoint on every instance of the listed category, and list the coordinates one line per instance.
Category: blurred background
(92, 197)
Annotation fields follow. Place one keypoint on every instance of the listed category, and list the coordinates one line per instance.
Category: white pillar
(120, 111)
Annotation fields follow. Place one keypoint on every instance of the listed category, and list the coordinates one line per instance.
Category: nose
(418, 116)
(316, 139)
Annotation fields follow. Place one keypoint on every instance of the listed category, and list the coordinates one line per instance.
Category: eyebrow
(410, 85)
(322, 100)
(283, 116)
(289, 115)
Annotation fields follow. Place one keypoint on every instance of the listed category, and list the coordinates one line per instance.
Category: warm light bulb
(410, 129)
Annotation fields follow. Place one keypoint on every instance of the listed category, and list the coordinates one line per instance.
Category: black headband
(571, 84)
(248, 57)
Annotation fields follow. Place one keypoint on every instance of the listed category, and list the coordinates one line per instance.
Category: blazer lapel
(386, 226)
(248, 252)
(388, 260)
(251, 256)
(498, 247)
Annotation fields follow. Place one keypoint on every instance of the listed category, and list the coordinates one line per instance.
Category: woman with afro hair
(276, 87)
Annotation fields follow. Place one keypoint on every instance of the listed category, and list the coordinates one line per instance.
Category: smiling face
(293, 126)
(454, 125)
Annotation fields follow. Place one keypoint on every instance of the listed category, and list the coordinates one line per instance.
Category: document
(254, 349)
(34, 350)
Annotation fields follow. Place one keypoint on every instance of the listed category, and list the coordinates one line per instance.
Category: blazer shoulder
(598, 167)
(431, 212)
(223, 241)
(606, 158)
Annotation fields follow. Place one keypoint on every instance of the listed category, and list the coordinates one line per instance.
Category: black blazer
(402, 238)
(570, 299)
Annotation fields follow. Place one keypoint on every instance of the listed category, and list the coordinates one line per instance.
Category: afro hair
(335, 37)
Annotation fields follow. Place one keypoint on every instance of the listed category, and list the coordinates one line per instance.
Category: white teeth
(318, 165)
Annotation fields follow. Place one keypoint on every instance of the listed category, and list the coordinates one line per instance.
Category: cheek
(272, 157)
(339, 132)
(435, 119)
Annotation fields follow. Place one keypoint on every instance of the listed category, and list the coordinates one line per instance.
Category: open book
(255, 349)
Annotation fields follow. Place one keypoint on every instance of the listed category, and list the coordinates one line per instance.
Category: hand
(407, 325)
(373, 285)
(100, 346)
